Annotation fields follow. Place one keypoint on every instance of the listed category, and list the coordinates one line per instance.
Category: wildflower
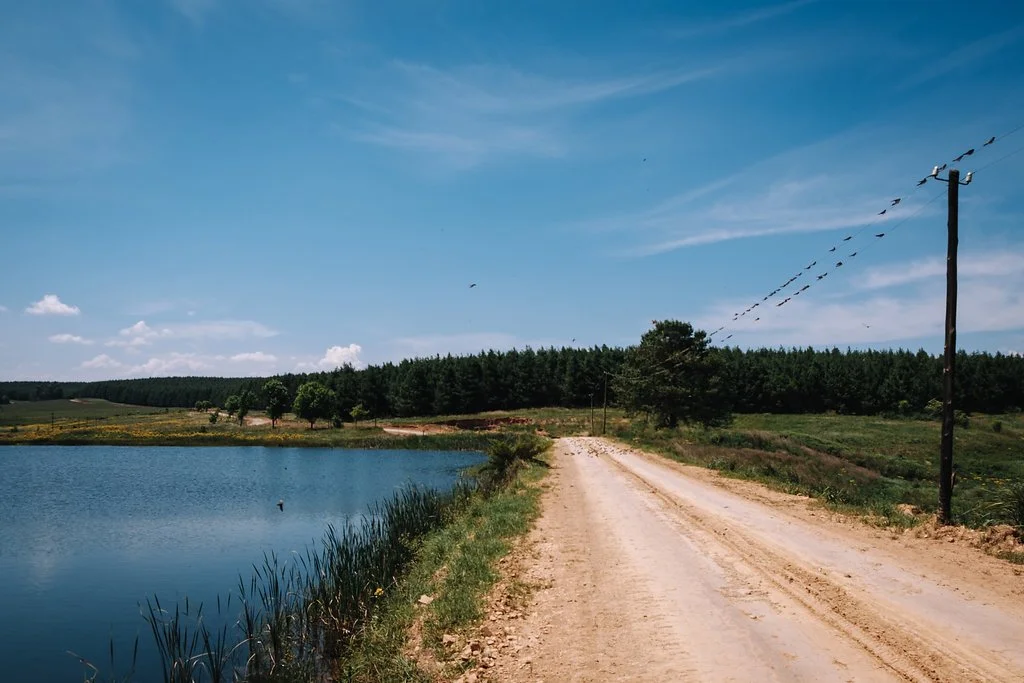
(379, 592)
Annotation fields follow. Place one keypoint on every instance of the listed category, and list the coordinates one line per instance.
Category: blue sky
(236, 188)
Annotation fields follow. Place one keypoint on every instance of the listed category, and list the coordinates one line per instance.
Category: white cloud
(337, 356)
(254, 357)
(69, 339)
(51, 304)
(102, 361)
(139, 334)
(194, 10)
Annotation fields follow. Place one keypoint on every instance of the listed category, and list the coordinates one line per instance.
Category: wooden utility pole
(604, 420)
(949, 364)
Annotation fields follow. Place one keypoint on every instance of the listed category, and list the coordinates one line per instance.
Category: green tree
(203, 406)
(246, 400)
(231, 405)
(214, 416)
(358, 412)
(675, 376)
(275, 393)
(313, 401)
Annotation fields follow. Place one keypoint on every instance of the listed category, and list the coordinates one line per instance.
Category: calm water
(87, 532)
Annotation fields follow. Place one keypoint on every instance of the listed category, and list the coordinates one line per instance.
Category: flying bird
(645, 158)
(280, 505)
(990, 141)
(882, 212)
(879, 234)
(965, 154)
(896, 201)
(472, 285)
(922, 181)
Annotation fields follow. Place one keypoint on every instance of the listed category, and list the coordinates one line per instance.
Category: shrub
(903, 408)
(961, 419)
(997, 426)
(1013, 504)
(933, 409)
(506, 456)
(214, 416)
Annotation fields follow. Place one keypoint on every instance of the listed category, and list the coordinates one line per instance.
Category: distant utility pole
(949, 365)
(591, 413)
(604, 420)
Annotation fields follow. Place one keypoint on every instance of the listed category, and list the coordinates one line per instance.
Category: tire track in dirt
(649, 575)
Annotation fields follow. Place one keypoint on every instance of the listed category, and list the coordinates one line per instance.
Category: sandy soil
(646, 570)
(257, 421)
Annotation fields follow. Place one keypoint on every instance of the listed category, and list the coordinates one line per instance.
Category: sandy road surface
(651, 572)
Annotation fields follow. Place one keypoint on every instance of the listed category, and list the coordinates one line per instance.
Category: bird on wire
(943, 167)
(848, 238)
(882, 212)
(990, 141)
(896, 201)
(879, 234)
(822, 276)
(832, 249)
(922, 181)
(839, 264)
(852, 255)
(965, 154)
(472, 285)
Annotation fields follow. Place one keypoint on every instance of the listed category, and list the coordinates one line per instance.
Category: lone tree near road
(313, 401)
(276, 395)
(674, 376)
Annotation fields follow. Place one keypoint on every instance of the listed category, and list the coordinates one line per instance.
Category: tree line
(762, 380)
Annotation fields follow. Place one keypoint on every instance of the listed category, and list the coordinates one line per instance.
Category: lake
(89, 532)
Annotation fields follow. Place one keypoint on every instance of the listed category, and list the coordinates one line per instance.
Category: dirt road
(652, 571)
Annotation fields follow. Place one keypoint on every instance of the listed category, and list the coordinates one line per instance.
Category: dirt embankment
(643, 569)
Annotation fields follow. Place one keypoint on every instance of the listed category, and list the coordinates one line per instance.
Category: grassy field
(41, 412)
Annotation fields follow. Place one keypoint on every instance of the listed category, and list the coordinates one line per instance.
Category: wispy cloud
(990, 302)
(966, 56)
(736, 21)
(102, 361)
(253, 357)
(142, 334)
(195, 11)
(69, 339)
(3, 309)
(51, 304)
(470, 114)
(990, 264)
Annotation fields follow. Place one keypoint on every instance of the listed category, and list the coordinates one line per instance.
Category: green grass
(457, 566)
(867, 464)
(62, 410)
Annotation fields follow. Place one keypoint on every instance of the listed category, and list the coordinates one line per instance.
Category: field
(40, 412)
